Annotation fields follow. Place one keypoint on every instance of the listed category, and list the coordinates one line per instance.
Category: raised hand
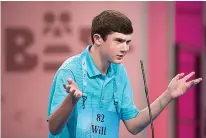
(179, 85)
(73, 89)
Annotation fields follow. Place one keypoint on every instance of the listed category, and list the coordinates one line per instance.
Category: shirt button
(102, 98)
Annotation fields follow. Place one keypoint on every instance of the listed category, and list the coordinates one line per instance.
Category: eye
(128, 42)
(120, 40)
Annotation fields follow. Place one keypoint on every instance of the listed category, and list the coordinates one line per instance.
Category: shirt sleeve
(128, 110)
(57, 92)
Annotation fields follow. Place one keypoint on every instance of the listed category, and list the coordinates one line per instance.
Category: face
(115, 47)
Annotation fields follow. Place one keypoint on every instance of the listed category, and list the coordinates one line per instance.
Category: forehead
(119, 35)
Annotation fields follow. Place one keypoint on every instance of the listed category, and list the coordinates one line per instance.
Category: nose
(125, 47)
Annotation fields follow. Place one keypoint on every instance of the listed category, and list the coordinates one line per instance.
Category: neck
(99, 61)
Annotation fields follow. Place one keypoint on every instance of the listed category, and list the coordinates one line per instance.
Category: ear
(97, 39)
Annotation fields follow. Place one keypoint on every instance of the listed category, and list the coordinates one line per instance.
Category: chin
(117, 61)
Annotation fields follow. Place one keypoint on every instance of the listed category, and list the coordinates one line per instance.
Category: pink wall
(158, 57)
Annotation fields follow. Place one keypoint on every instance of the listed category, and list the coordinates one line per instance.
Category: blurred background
(36, 37)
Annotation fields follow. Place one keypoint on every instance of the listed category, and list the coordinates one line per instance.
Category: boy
(91, 91)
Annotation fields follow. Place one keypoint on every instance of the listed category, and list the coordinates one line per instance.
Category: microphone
(147, 97)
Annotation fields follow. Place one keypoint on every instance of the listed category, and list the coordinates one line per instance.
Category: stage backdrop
(38, 36)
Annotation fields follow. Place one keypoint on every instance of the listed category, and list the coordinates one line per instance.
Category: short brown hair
(110, 21)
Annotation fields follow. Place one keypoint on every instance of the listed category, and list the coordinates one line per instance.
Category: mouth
(120, 56)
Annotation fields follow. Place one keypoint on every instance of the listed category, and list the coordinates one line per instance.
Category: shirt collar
(92, 68)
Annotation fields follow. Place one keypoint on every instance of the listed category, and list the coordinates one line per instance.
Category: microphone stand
(147, 97)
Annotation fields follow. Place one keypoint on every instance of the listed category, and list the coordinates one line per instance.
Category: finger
(70, 81)
(178, 76)
(68, 88)
(194, 82)
(77, 95)
(65, 87)
(197, 81)
(72, 91)
(189, 76)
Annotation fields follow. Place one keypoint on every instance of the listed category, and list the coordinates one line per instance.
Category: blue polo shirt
(99, 90)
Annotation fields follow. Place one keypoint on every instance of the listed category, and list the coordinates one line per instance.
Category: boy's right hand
(73, 89)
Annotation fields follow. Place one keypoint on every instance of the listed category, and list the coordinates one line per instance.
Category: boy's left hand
(178, 85)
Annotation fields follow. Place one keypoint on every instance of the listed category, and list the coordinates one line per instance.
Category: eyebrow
(123, 40)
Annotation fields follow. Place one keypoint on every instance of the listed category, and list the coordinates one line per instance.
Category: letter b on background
(17, 41)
